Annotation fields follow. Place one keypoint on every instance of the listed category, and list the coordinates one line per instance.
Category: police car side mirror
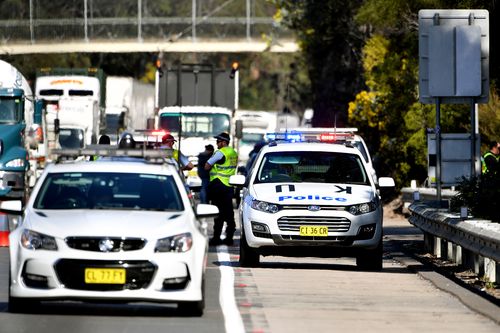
(14, 207)
(237, 180)
(386, 182)
(205, 211)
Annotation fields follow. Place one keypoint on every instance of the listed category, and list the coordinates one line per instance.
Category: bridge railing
(87, 20)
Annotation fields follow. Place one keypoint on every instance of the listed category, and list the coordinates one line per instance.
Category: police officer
(222, 165)
(126, 141)
(204, 174)
(168, 141)
(491, 158)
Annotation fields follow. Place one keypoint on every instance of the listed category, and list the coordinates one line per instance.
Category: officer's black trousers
(222, 196)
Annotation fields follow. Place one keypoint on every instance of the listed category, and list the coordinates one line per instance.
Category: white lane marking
(232, 317)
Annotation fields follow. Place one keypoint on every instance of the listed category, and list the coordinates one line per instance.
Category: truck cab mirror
(37, 117)
(56, 126)
(238, 129)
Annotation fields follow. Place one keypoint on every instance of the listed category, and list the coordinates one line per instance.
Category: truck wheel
(370, 260)
(248, 257)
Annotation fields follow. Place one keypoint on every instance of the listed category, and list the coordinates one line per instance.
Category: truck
(129, 106)
(195, 102)
(74, 100)
(16, 127)
(256, 125)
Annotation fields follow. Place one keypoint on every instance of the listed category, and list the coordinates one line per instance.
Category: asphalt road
(288, 295)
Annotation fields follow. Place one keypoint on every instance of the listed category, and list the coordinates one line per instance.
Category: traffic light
(234, 67)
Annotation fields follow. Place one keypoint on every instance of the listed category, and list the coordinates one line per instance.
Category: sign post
(454, 67)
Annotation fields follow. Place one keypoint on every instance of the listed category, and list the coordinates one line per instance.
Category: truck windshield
(74, 92)
(195, 124)
(71, 138)
(10, 110)
(51, 92)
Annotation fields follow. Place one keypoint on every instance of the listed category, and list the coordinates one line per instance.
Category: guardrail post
(457, 254)
(437, 247)
(449, 251)
(478, 265)
(490, 268)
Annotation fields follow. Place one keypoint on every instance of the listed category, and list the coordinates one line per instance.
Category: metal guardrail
(470, 242)
(426, 193)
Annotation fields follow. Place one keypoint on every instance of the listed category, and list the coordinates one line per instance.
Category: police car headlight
(177, 243)
(265, 206)
(33, 240)
(362, 208)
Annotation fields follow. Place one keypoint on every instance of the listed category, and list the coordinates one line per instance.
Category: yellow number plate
(105, 275)
(313, 230)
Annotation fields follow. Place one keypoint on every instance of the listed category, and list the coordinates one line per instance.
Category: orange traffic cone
(4, 230)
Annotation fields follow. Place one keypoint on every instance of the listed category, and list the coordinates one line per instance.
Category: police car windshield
(311, 167)
(98, 190)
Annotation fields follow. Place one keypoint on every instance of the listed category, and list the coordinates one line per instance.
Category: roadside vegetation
(358, 67)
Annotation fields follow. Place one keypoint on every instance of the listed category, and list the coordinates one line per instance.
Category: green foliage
(331, 44)
(481, 195)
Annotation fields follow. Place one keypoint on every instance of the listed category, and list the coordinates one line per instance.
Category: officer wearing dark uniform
(491, 164)
(222, 165)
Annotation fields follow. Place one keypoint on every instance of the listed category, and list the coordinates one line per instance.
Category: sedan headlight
(16, 163)
(362, 208)
(265, 206)
(33, 240)
(177, 243)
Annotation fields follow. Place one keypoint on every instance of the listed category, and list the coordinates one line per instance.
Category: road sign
(453, 56)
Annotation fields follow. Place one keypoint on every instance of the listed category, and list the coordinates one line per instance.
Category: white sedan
(311, 199)
(116, 229)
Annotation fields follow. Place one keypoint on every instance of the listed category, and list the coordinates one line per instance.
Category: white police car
(311, 199)
(116, 229)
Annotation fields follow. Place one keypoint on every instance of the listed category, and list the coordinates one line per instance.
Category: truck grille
(334, 224)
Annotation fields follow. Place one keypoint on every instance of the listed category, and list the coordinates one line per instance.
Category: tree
(330, 42)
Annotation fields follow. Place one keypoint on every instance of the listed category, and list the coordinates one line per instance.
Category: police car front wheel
(248, 257)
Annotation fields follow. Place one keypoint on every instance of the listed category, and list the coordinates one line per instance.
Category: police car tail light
(362, 208)
(265, 206)
(178, 243)
(33, 240)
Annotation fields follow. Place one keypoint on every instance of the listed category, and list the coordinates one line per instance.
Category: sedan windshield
(94, 190)
(312, 167)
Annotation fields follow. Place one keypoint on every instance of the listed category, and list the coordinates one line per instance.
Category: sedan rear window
(93, 190)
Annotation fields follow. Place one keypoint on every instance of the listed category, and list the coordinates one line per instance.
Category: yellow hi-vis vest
(228, 168)
(483, 162)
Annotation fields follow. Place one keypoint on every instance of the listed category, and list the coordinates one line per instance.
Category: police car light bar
(106, 151)
(330, 135)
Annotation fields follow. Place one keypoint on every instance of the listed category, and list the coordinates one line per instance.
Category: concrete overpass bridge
(59, 26)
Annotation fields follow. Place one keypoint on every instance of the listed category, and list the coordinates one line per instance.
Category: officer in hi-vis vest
(222, 165)
(491, 158)
(184, 163)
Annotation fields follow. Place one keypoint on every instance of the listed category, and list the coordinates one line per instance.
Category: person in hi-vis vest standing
(490, 159)
(168, 140)
(222, 165)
